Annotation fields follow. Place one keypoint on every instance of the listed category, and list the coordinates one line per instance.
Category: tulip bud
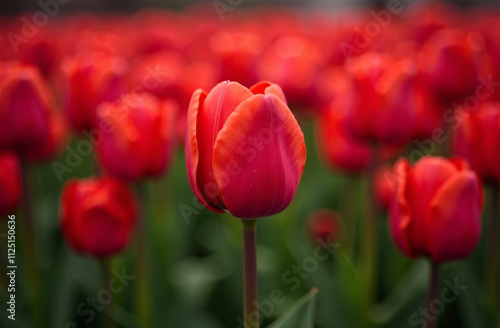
(384, 186)
(245, 151)
(477, 139)
(89, 79)
(25, 108)
(55, 143)
(451, 62)
(138, 136)
(324, 226)
(97, 215)
(10, 183)
(436, 210)
(384, 107)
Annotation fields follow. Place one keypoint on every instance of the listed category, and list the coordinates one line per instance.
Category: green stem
(251, 288)
(142, 262)
(29, 243)
(107, 320)
(432, 293)
(492, 256)
(371, 234)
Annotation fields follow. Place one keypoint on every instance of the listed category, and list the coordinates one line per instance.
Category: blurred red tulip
(97, 215)
(384, 108)
(245, 151)
(324, 226)
(436, 210)
(88, 79)
(293, 63)
(337, 147)
(138, 136)
(477, 139)
(384, 186)
(452, 62)
(10, 183)
(26, 104)
(55, 143)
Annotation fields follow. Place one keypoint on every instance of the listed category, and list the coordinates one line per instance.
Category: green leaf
(300, 315)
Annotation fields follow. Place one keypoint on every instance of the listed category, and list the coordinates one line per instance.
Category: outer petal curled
(401, 214)
(192, 153)
(259, 157)
(455, 208)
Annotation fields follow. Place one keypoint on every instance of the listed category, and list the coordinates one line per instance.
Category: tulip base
(432, 294)
(251, 289)
(491, 278)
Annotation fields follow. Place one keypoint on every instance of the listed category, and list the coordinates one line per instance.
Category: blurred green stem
(142, 298)
(105, 266)
(29, 243)
(491, 278)
(432, 293)
(371, 233)
(251, 288)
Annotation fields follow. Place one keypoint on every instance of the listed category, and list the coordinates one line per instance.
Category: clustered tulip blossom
(138, 136)
(436, 209)
(97, 215)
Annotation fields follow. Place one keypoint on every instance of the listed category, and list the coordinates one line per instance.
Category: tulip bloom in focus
(25, 108)
(97, 215)
(10, 183)
(245, 151)
(89, 79)
(436, 211)
(138, 136)
(478, 140)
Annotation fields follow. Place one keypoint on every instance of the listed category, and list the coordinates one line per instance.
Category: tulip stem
(105, 266)
(371, 234)
(251, 288)
(432, 293)
(29, 242)
(493, 254)
(142, 261)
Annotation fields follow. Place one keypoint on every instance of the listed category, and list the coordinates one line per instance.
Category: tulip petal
(220, 102)
(401, 215)
(259, 157)
(268, 88)
(455, 208)
(192, 154)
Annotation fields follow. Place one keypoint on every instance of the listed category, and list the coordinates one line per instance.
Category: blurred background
(188, 272)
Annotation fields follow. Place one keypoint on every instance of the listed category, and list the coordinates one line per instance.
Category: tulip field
(229, 166)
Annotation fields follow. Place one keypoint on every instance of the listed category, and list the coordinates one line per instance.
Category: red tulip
(10, 183)
(451, 62)
(245, 151)
(478, 140)
(324, 226)
(384, 107)
(337, 147)
(89, 79)
(384, 186)
(25, 108)
(436, 211)
(138, 136)
(294, 63)
(97, 215)
(55, 143)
